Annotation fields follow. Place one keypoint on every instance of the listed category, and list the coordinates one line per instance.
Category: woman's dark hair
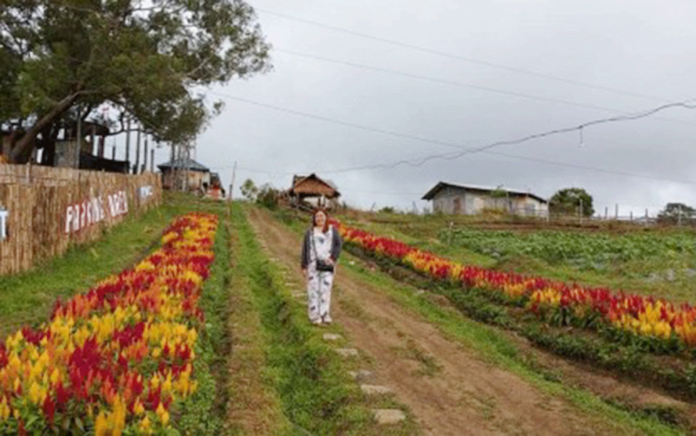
(314, 218)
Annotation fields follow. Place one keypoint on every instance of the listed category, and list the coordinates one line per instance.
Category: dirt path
(447, 387)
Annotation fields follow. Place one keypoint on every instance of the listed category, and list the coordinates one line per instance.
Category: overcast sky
(641, 52)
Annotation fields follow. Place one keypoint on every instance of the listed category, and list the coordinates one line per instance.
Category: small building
(314, 191)
(174, 173)
(454, 199)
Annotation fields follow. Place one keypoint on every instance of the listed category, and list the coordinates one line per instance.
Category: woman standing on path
(320, 251)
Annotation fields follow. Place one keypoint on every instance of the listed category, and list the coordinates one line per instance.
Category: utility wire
(482, 149)
(466, 85)
(463, 58)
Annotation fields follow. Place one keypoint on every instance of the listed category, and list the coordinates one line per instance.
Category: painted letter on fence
(82, 215)
(3, 224)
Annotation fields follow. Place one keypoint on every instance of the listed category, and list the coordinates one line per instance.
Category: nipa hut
(314, 191)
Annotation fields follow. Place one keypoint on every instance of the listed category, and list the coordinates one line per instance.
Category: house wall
(195, 179)
(473, 202)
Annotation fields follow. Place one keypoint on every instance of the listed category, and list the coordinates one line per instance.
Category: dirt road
(449, 389)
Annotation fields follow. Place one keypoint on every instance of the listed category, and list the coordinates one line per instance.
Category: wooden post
(128, 126)
(616, 212)
(137, 151)
(234, 173)
(679, 222)
(145, 156)
(91, 138)
(79, 137)
(152, 160)
(606, 213)
(113, 152)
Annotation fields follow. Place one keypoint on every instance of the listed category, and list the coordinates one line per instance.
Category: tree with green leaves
(571, 201)
(63, 59)
(249, 190)
(675, 213)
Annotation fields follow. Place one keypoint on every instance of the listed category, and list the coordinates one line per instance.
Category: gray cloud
(643, 47)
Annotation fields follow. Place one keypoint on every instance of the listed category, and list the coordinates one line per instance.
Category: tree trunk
(23, 147)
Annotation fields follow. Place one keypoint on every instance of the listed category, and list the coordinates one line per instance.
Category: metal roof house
(175, 172)
(455, 199)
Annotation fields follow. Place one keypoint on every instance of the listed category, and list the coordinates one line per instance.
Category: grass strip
(254, 407)
(204, 412)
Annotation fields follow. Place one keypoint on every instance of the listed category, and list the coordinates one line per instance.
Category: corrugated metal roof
(184, 163)
(441, 185)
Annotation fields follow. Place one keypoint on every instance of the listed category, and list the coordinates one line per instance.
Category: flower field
(656, 320)
(117, 359)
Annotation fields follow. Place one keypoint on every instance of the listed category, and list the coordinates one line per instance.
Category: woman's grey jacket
(336, 245)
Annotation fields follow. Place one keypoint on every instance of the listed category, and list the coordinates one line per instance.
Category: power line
(466, 85)
(339, 122)
(482, 149)
(464, 58)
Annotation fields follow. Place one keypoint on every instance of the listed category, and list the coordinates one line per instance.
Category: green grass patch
(204, 412)
(254, 406)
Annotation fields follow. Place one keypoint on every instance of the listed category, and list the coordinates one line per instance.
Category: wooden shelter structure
(314, 191)
(61, 148)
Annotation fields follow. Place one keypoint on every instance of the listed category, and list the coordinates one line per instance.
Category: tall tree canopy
(571, 201)
(62, 59)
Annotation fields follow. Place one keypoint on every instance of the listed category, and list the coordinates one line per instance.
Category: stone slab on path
(389, 416)
(332, 337)
(347, 352)
(375, 390)
(361, 375)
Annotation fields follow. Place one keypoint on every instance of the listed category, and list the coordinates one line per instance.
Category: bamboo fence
(48, 209)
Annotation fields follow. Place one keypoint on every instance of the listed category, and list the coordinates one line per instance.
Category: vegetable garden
(582, 250)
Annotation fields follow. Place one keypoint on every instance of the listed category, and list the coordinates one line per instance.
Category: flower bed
(119, 357)
(654, 319)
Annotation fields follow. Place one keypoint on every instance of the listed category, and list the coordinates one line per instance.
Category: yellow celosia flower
(4, 409)
(145, 426)
(101, 427)
(162, 414)
(138, 408)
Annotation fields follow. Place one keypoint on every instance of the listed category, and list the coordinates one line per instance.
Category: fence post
(616, 212)
(680, 215)
(606, 213)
